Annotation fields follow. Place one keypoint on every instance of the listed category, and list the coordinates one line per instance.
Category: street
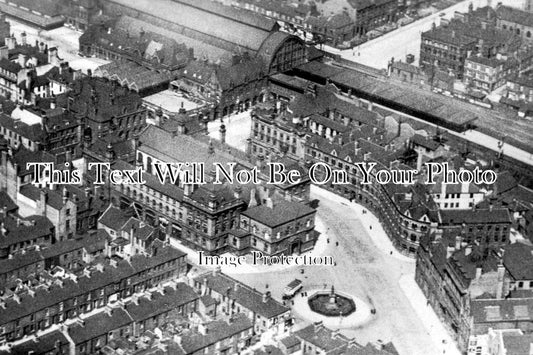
(402, 41)
(65, 39)
(238, 129)
(366, 269)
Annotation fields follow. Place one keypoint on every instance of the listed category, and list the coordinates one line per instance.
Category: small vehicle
(442, 14)
(291, 289)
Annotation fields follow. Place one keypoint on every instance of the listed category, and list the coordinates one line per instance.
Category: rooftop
(218, 330)
(99, 324)
(243, 295)
(514, 15)
(478, 216)
(323, 338)
(281, 213)
(171, 101)
(518, 260)
(502, 310)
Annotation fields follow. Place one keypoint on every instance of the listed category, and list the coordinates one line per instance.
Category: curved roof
(202, 21)
(272, 43)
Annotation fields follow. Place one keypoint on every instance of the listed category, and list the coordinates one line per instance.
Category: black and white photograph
(266, 177)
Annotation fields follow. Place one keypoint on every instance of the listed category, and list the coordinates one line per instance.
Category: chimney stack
(458, 241)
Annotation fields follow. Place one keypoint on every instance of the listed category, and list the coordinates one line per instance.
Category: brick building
(233, 297)
(105, 109)
(112, 40)
(230, 32)
(515, 21)
(488, 74)
(53, 305)
(279, 227)
(205, 216)
(448, 45)
(80, 14)
(489, 227)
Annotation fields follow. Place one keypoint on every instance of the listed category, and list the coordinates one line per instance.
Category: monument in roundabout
(331, 304)
(335, 309)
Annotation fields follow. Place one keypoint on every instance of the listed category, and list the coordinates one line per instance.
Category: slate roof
(20, 260)
(282, 212)
(161, 303)
(132, 75)
(93, 92)
(290, 341)
(144, 46)
(180, 148)
(141, 230)
(198, 71)
(30, 227)
(10, 66)
(268, 350)
(425, 142)
(113, 218)
(369, 349)
(53, 20)
(7, 202)
(505, 182)
(437, 106)
(240, 73)
(503, 310)
(518, 260)
(99, 324)
(44, 343)
(23, 156)
(517, 344)
(479, 216)
(218, 330)
(45, 7)
(204, 47)
(48, 298)
(54, 198)
(292, 81)
(34, 132)
(524, 80)
(246, 297)
(466, 265)
(512, 14)
(406, 67)
(323, 338)
(152, 182)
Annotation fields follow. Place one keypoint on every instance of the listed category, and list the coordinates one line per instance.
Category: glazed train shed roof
(204, 21)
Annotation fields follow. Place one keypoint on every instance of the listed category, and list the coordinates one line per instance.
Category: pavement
(431, 321)
(377, 234)
(359, 318)
(365, 269)
(66, 39)
(238, 129)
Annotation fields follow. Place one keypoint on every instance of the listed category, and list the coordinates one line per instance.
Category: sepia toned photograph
(266, 177)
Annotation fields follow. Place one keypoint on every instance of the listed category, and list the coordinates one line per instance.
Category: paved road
(65, 39)
(405, 40)
(238, 129)
(368, 272)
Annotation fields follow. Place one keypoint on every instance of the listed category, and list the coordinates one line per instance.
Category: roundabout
(331, 304)
(333, 308)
